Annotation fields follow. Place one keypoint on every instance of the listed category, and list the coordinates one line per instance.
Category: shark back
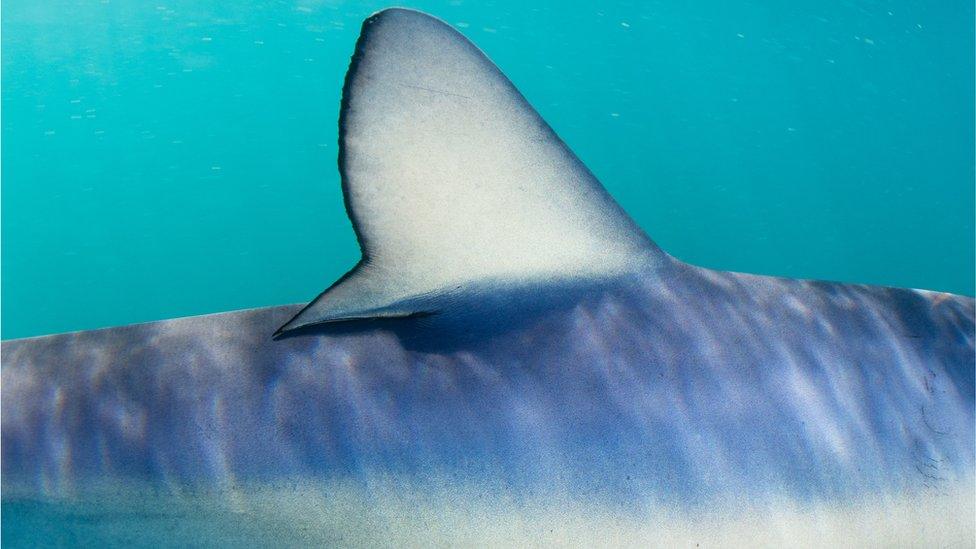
(653, 414)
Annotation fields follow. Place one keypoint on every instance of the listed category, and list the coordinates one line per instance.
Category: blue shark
(513, 361)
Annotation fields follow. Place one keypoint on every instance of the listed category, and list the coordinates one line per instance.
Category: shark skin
(648, 402)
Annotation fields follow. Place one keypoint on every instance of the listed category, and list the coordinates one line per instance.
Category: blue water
(170, 158)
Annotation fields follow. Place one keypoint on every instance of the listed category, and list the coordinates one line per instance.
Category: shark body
(525, 367)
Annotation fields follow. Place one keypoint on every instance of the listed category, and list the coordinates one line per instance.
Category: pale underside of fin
(452, 180)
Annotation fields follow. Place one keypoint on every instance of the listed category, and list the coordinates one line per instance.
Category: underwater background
(171, 158)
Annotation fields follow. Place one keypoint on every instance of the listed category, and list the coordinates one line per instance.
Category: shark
(512, 362)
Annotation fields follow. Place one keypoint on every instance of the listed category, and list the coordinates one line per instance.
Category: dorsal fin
(451, 179)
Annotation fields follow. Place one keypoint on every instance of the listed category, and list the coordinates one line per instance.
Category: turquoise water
(170, 158)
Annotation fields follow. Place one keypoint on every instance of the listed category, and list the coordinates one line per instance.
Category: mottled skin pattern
(681, 387)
